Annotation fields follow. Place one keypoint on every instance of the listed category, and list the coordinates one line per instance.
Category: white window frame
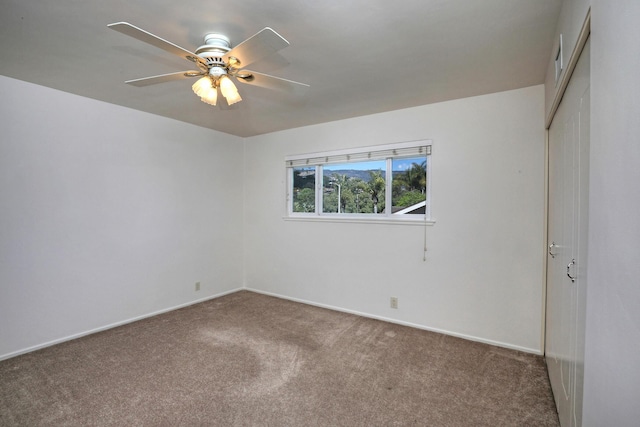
(386, 152)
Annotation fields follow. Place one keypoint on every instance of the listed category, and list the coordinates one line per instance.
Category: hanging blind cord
(424, 253)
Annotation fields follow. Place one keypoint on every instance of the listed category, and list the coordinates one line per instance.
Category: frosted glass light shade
(210, 96)
(202, 85)
(205, 89)
(229, 90)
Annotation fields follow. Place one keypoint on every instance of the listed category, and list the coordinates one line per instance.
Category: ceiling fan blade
(162, 78)
(256, 47)
(147, 37)
(271, 82)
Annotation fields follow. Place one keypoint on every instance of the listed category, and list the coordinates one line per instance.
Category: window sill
(359, 220)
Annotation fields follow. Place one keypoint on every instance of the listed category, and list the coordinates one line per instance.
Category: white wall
(612, 359)
(483, 277)
(107, 214)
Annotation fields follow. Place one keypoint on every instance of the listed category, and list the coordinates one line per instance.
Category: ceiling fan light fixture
(229, 90)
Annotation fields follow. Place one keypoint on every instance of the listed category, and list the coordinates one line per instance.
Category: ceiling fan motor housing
(215, 47)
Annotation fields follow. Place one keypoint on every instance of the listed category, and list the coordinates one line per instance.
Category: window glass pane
(359, 186)
(409, 185)
(304, 193)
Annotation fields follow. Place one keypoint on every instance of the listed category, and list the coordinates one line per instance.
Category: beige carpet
(251, 360)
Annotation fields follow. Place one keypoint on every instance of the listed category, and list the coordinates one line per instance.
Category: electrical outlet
(394, 302)
(197, 286)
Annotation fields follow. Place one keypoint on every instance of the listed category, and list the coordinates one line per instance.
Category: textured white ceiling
(359, 56)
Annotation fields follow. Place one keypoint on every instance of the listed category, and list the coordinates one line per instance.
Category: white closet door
(567, 235)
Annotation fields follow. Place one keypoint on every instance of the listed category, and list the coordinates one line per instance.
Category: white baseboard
(400, 322)
(113, 325)
(330, 307)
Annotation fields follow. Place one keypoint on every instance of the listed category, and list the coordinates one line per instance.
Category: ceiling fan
(218, 63)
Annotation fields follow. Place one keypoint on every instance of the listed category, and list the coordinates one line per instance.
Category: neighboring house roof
(418, 208)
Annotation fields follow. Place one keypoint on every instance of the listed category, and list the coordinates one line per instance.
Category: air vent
(558, 61)
(213, 61)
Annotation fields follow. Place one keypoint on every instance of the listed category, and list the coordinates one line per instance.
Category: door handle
(551, 246)
(573, 278)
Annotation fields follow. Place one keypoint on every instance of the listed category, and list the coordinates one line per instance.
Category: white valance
(363, 154)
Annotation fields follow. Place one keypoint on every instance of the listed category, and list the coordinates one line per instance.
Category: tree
(410, 198)
(409, 187)
(361, 202)
(376, 188)
(417, 177)
(304, 178)
(304, 200)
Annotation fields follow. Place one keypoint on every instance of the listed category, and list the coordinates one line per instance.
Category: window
(389, 182)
